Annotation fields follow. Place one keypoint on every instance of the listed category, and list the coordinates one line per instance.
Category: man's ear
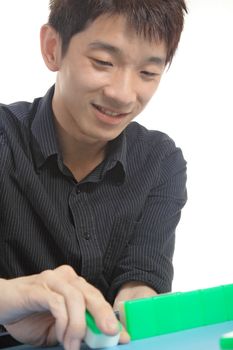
(50, 44)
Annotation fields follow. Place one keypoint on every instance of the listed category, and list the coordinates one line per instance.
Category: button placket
(84, 222)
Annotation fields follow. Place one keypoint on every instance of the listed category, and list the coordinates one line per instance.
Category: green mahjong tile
(152, 316)
(190, 310)
(213, 305)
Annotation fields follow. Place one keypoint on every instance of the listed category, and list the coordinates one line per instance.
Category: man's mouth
(109, 112)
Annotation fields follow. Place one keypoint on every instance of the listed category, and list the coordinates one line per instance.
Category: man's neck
(80, 156)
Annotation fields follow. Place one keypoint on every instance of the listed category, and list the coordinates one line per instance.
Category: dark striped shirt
(116, 225)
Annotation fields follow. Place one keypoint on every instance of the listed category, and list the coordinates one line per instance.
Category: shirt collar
(45, 142)
(116, 158)
(44, 138)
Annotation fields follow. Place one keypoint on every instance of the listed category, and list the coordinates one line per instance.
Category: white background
(193, 105)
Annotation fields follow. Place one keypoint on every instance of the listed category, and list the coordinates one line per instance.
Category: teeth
(107, 112)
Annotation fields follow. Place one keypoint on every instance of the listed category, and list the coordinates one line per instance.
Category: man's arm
(145, 267)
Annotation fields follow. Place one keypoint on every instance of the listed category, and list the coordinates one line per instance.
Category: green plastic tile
(213, 305)
(226, 341)
(228, 295)
(92, 325)
(152, 316)
(168, 315)
(190, 310)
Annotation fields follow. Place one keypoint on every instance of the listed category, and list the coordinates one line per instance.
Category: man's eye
(103, 63)
(149, 74)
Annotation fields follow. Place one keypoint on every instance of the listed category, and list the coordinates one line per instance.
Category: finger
(76, 327)
(26, 298)
(124, 336)
(68, 326)
(51, 339)
(35, 329)
(73, 300)
(100, 309)
(57, 306)
(40, 299)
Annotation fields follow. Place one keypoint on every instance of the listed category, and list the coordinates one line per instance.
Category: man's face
(105, 79)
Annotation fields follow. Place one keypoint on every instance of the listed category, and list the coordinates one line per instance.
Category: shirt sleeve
(148, 255)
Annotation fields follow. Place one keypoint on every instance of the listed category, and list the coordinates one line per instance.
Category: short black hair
(158, 20)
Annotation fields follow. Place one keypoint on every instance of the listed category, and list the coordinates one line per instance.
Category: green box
(226, 341)
(168, 315)
(190, 310)
(213, 305)
(152, 316)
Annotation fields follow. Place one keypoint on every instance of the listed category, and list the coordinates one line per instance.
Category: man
(81, 184)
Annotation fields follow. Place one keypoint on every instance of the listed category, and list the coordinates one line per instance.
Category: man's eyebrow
(104, 46)
(159, 61)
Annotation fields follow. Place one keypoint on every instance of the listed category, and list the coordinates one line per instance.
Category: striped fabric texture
(116, 225)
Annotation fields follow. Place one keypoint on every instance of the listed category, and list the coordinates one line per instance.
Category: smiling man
(81, 184)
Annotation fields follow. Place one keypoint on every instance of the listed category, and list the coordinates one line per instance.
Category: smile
(108, 112)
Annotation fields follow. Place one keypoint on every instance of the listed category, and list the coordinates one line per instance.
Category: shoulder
(155, 155)
(17, 111)
(15, 122)
(15, 118)
(149, 142)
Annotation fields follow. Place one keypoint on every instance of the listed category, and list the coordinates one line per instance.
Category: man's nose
(121, 90)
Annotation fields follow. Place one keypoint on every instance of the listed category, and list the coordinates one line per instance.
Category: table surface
(202, 338)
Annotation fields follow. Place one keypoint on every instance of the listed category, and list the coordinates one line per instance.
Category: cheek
(145, 89)
(85, 78)
(146, 94)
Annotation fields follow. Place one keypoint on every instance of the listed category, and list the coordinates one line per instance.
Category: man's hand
(50, 307)
(133, 290)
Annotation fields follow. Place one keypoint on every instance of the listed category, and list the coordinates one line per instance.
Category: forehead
(116, 31)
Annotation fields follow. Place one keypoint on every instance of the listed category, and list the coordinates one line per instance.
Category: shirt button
(86, 236)
(78, 190)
